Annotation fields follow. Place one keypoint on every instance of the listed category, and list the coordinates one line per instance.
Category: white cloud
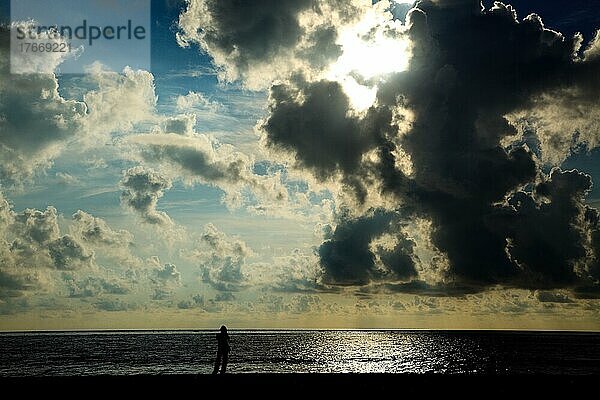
(200, 159)
(112, 304)
(297, 304)
(35, 121)
(67, 254)
(94, 286)
(96, 231)
(92, 260)
(298, 272)
(120, 101)
(31, 248)
(168, 274)
(37, 227)
(65, 178)
(182, 124)
(164, 280)
(222, 259)
(196, 100)
(108, 243)
(39, 62)
(561, 119)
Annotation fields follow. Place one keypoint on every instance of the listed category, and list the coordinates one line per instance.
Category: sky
(310, 164)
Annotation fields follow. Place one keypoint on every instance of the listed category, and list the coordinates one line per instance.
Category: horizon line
(116, 330)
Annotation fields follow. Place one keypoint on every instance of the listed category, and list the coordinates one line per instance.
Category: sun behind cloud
(374, 46)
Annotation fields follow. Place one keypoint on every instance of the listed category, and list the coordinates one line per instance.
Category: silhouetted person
(222, 350)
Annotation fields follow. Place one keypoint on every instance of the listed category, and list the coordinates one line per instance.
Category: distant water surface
(391, 351)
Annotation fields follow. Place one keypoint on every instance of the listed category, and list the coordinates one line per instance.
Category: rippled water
(187, 352)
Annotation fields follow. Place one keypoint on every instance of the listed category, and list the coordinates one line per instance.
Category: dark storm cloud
(311, 119)
(469, 69)
(348, 259)
(497, 217)
(250, 40)
(568, 16)
(143, 188)
(591, 270)
(548, 237)
(246, 32)
(323, 48)
(591, 291)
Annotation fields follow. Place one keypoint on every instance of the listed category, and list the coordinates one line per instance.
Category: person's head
(223, 329)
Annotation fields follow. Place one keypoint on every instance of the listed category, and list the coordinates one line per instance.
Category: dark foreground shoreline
(284, 385)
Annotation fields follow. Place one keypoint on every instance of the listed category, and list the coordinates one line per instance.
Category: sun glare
(368, 52)
(378, 56)
(361, 97)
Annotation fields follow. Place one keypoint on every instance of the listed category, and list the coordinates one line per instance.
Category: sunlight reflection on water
(446, 352)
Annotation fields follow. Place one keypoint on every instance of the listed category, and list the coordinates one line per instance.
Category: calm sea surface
(192, 352)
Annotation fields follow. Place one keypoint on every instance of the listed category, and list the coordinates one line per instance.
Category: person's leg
(217, 362)
(224, 367)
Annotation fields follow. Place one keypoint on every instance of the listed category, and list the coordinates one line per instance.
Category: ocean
(37, 354)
